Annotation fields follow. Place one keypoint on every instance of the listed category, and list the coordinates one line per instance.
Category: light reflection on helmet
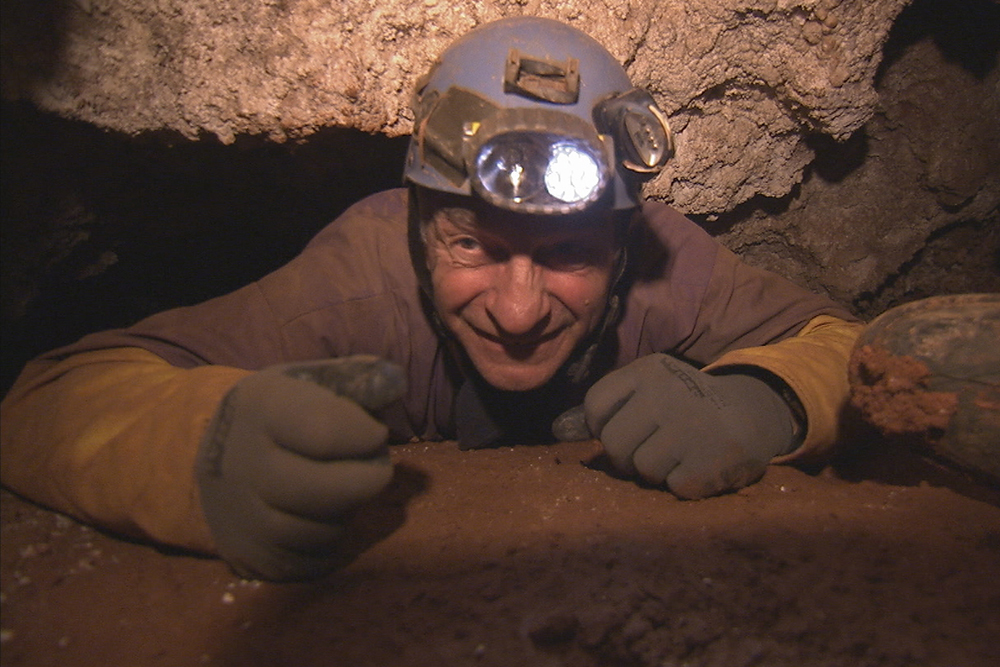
(534, 116)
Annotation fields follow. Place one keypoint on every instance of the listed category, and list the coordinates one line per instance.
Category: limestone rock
(744, 81)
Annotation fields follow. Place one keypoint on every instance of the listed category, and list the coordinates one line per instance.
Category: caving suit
(107, 429)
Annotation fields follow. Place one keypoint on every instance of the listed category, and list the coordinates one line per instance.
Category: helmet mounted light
(538, 161)
(642, 135)
(535, 133)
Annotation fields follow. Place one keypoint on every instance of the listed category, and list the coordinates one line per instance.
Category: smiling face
(518, 292)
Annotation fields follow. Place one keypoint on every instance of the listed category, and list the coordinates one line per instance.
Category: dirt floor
(536, 556)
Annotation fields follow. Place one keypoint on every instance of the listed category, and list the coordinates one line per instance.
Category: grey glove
(290, 452)
(697, 433)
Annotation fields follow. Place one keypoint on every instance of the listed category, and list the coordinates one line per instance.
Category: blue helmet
(534, 116)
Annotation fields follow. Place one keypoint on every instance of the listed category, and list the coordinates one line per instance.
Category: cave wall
(908, 205)
(744, 81)
(157, 152)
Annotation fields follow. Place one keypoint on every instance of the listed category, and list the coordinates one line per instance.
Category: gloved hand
(697, 433)
(290, 452)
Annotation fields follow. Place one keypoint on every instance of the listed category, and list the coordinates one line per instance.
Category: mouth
(518, 347)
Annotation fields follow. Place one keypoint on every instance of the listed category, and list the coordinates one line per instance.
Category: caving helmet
(534, 116)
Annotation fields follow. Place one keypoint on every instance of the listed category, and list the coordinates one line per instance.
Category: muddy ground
(537, 556)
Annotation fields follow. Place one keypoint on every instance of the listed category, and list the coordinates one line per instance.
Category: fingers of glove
(609, 394)
(369, 381)
(628, 428)
(284, 547)
(279, 565)
(320, 490)
(657, 457)
(679, 440)
(314, 422)
(290, 532)
(725, 468)
(659, 373)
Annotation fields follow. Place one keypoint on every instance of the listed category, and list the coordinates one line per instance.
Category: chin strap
(579, 370)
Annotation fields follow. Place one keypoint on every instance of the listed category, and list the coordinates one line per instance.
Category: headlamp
(538, 172)
(643, 139)
(539, 159)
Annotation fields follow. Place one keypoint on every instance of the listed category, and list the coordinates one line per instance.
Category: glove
(289, 453)
(697, 433)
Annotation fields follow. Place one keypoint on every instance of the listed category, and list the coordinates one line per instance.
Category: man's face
(519, 292)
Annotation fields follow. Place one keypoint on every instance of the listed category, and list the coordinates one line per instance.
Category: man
(516, 279)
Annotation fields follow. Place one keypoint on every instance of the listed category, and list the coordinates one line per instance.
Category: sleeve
(110, 437)
(107, 429)
(813, 364)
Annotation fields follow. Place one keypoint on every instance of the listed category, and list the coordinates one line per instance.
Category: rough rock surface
(893, 391)
(745, 81)
(909, 206)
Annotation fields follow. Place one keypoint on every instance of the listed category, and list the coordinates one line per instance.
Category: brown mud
(928, 371)
(537, 556)
(892, 392)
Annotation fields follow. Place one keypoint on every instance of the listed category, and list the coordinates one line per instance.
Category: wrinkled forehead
(471, 213)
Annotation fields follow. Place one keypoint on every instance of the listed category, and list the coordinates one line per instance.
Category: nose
(518, 304)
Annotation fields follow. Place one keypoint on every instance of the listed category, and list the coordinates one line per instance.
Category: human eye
(568, 256)
(467, 243)
(467, 250)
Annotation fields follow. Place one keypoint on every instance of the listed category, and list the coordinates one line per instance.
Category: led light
(642, 135)
(510, 170)
(572, 174)
(647, 130)
(539, 172)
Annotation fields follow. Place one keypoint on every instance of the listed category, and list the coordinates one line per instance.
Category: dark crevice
(104, 229)
(963, 267)
(966, 32)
